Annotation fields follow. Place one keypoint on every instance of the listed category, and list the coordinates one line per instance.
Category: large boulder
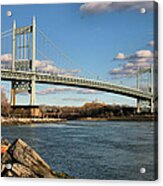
(20, 160)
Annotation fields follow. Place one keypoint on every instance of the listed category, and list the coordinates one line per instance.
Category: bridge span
(24, 57)
(8, 75)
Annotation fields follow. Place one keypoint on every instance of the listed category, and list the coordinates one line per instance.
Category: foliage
(5, 106)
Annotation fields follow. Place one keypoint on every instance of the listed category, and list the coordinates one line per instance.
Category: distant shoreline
(29, 121)
(133, 118)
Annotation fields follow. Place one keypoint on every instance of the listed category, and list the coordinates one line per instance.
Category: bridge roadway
(9, 75)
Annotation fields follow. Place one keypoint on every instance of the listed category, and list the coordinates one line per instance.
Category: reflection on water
(92, 150)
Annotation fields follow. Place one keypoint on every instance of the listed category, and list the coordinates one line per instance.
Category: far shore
(121, 118)
(5, 121)
(28, 121)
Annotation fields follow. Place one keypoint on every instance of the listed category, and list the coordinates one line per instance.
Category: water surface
(91, 149)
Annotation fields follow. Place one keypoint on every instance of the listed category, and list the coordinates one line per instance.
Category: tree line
(93, 109)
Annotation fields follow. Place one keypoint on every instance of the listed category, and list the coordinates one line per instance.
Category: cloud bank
(41, 65)
(6, 58)
(74, 99)
(54, 90)
(98, 7)
(140, 59)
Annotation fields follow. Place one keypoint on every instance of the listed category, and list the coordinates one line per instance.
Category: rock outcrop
(20, 160)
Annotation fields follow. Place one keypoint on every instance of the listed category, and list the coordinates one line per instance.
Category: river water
(92, 150)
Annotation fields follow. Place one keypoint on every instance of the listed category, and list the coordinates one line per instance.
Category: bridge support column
(13, 45)
(13, 94)
(32, 98)
(151, 105)
(138, 105)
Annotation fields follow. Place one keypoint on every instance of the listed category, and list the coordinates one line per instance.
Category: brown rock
(22, 171)
(2, 167)
(5, 142)
(25, 155)
(20, 160)
(6, 158)
(9, 174)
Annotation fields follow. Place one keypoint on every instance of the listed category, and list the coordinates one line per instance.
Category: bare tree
(5, 106)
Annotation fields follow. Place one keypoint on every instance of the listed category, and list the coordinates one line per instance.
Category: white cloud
(38, 63)
(87, 91)
(41, 65)
(141, 59)
(6, 58)
(140, 55)
(48, 66)
(129, 65)
(74, 99)
(96, 7)
(151, 43)
(51, 68)
(54, 90)
(115, 71)
(120, 56)
(122, 72)
(143, 65)
(143, 54)
(128, 69)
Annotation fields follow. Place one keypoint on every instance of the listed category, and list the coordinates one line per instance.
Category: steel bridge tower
(150, 87)
(23, 58)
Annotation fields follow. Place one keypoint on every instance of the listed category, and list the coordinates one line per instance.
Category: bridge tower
(23, 59)
(150, 87)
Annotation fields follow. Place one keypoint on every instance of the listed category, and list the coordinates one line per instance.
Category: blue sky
(93, 36)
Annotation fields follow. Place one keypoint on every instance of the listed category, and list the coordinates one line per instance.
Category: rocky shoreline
(20, 160)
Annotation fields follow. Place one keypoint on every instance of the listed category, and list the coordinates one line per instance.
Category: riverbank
(122, 118)
(28, 121)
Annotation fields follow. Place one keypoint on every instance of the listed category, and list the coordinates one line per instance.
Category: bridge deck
(7, 74)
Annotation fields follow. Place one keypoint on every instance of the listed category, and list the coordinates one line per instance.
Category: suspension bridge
(24, 65)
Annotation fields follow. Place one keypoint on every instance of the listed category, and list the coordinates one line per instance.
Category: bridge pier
(23, 86)
(32, 96)
(13, 94)
(138, 105)
(152, 105)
